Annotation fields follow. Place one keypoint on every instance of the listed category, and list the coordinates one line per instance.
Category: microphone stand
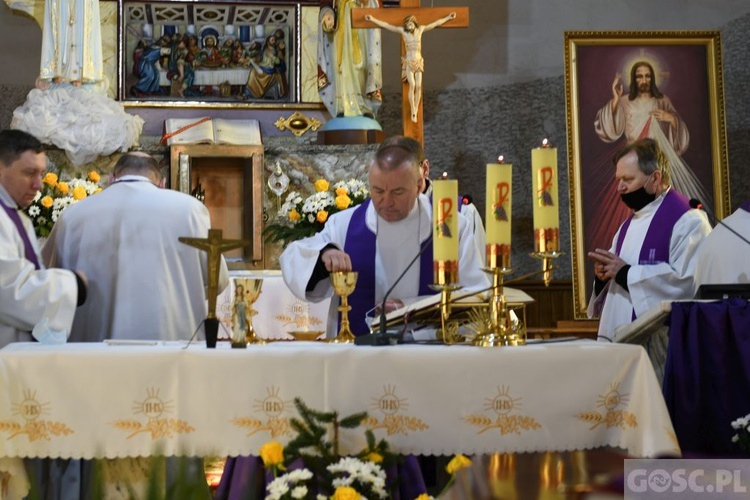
(716, 222)
(382, 337)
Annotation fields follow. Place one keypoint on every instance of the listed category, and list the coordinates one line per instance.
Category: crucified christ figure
(412, 64)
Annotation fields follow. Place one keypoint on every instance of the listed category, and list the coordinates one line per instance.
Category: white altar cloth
(100, 400)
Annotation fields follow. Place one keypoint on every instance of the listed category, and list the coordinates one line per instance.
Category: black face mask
(639, 198)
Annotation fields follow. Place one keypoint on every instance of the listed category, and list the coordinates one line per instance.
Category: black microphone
(382, 337)
(694, 203)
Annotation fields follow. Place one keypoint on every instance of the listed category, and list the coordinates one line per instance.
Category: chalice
(343, 285)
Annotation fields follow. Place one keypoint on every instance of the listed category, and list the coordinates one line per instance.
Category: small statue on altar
(412, 64)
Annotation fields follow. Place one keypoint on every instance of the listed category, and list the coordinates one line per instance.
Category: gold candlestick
(500, 330)
(547, 261)
(343, 286)
(448, 332)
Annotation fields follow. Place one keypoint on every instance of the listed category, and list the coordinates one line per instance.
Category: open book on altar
(211, 131)
(427, 310)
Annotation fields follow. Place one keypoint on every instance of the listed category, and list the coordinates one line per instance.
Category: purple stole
(655, 247)
(361, 245)
(28, 248)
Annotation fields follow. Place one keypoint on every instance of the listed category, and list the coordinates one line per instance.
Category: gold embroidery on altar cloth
(273, 408)
(156, 424)
(299, 315)
(391, 407)
(612, 416)
(34, 426)
(503, 405)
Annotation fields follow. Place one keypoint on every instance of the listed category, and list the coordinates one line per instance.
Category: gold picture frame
(688, 74)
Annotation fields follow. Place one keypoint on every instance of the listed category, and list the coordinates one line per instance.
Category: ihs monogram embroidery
(394, 423)
(612, 417)
(34, 426)
(502, 405)
(273, 407)
(153, 408)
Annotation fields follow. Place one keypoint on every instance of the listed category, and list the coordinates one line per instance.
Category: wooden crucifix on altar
(411, 20)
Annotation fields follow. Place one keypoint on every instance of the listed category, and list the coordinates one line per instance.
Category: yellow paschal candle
(498, 213)
(445, 226)
(545, 198)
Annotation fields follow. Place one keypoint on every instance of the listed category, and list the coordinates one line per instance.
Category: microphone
(694, 203)
(383, 337)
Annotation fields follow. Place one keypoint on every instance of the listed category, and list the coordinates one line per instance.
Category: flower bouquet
(56, 195)
(742, 435)
(303, 217)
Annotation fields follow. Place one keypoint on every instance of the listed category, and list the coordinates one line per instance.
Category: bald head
(394, 182)
(138, 163)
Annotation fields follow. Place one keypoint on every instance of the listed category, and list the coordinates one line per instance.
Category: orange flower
(50, 178)
(294, 216)
(321, 185)
(63, 188)
(47, 202)
(345, 493)
(457, 463)
(272, 454)
(342, 201)
(322, 216)
(341, 191)
(79, 193)
(94, 176)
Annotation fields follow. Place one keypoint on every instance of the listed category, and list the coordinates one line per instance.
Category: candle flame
(545, 143)
(445, 175)
(500, 159)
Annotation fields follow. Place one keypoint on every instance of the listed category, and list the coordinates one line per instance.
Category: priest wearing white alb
(378, 239)
(654, 252)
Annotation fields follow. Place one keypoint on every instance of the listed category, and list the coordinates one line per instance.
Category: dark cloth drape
(707, 374)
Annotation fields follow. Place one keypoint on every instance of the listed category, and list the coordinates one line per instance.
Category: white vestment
(723, 256)
(398, 243)
(28, 295)
(143, 283)
(649, 284)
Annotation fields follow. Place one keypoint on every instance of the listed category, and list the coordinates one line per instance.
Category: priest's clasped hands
(607, 264)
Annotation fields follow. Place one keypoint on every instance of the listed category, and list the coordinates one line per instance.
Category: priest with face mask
(653, 253)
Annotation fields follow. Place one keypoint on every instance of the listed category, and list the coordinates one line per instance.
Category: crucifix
(214, 246)
(411, 20)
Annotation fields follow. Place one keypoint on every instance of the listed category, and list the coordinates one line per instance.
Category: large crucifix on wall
(411, 20)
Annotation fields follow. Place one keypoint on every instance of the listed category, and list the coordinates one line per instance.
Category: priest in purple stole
(653, 254)
(377, 239)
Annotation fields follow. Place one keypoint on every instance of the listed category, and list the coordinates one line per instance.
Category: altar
(123, 399)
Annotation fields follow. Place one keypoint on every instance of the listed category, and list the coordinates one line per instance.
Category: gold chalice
(343, 285)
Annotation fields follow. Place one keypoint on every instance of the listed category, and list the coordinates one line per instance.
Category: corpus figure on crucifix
(412, 63)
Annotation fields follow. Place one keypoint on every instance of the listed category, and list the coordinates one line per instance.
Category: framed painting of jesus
(623, 86)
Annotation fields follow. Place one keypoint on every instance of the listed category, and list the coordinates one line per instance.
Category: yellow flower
(423, 496)
(342, 201)
(321, 185)
(457, 463)
(345, 493)
(98, 190)
(294, 216)
(79, 193)
(50, 178)
(322, 216)
(47, 202)
(341, 191)
(63, 188)
(272, 454)
(374, 457)
(94, 177)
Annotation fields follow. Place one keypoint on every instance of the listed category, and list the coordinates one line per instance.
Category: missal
(211, 131)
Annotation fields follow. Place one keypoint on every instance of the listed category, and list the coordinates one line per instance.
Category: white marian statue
(70, 108)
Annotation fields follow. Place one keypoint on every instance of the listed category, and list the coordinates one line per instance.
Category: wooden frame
(224, 168)
(688, 72)
(194, 74)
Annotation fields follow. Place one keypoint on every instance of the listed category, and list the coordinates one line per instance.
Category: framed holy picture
(622, 86)
(178, 53)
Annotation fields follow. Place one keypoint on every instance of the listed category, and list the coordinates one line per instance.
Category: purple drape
(244, 478)
(707, 374)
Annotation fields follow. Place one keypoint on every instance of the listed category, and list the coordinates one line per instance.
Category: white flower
(37, 197)
(34, 210)
(735, 438)
(299, 492)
